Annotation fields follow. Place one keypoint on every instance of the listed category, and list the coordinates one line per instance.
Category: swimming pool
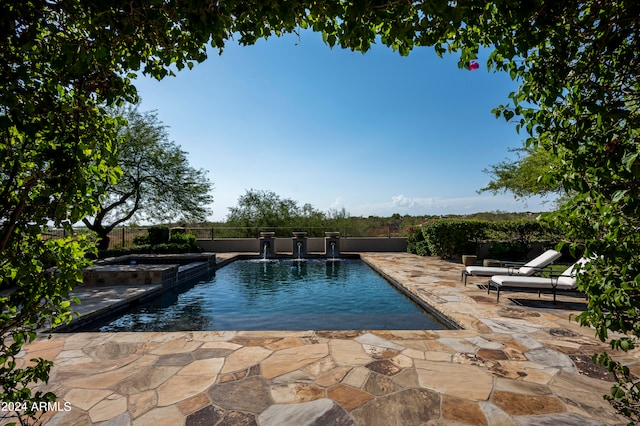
(313, 294)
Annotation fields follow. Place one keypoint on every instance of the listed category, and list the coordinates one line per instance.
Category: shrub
(158, 235)
(508, 250)
(416, 243)
(141, 240)
(448, 238)
(175, 248)
(183, 238)
(178, 243)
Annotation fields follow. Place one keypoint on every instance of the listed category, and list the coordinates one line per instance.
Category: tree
(157, 182)
(51, 171)
(259, 210)
(523, 175)
(576, 61)
(60, 64)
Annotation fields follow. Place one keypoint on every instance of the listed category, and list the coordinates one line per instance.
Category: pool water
(313, 294)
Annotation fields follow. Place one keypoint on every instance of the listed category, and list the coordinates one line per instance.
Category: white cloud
(337, 204)
(417, 206)
(402, 201)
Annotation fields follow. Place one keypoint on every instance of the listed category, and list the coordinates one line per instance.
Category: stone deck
(517, 362)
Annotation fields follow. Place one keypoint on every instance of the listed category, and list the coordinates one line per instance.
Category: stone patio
(517, 362)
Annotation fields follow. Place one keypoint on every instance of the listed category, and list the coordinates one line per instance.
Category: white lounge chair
(566, 281)
(529, 268)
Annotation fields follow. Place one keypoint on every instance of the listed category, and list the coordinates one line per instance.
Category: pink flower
(473, 66)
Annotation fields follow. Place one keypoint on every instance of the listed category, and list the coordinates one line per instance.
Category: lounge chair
(566, 281)
(529, 268)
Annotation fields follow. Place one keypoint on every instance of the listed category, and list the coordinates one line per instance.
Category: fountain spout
(299, 245)
(268, 244)
(332, 244)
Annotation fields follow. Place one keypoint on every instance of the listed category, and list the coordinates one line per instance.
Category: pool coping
(447, 321)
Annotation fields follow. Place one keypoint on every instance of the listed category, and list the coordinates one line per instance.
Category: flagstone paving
(510, 364)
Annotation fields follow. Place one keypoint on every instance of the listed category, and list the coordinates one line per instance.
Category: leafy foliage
(448, 237)
(158, 235)
(522, 176)
(522, 231)
(37, 276)
(157, 182)
(265, 210)
(416, 242)
(509, 239)
(579, 100)
(161, 240)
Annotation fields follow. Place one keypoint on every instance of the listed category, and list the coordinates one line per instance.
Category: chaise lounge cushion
(565, 281)
(528, 268)
(560, 283)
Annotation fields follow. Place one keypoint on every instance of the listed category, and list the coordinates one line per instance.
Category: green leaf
(508, 114)
(629, 159)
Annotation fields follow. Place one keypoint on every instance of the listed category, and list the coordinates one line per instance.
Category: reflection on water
(306, 294)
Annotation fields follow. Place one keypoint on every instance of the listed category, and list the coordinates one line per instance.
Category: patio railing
(123, 237)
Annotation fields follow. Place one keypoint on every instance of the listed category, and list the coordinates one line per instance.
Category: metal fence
(123, 237)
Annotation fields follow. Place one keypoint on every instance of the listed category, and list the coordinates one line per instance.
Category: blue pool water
(280, 295)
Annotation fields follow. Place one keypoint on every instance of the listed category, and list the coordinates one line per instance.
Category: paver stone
(209, 367)
(332, 377)
(193, 404)
(244, 358)
(356, 377)
(170, 415)
(495, 415)
(208, 415)
(176, 346)
(149, 378)
(583, 395)
(463, 411)
(348, 397)
(141, 403)
(348, 352)
(378, 384)
(373, 340)
(292, 359)
(110, 378)
(295, 392)
(410, 406)
(551, 358)
(251, 394)
(86, 398)
(108, 408)
(464, 381)
(318, 412)
(180, 387)
(524, 405)
(564, 419)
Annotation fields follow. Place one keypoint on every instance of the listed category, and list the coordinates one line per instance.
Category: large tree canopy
(577, 63)
(259, 210)
(157, 182)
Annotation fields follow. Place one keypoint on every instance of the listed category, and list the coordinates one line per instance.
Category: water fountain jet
(332, 244)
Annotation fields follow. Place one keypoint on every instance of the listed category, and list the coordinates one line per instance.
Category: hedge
(449, 238)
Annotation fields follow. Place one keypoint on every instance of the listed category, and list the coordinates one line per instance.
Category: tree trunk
(103, 240)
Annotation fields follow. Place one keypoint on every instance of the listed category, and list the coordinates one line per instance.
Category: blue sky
(376, 134)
